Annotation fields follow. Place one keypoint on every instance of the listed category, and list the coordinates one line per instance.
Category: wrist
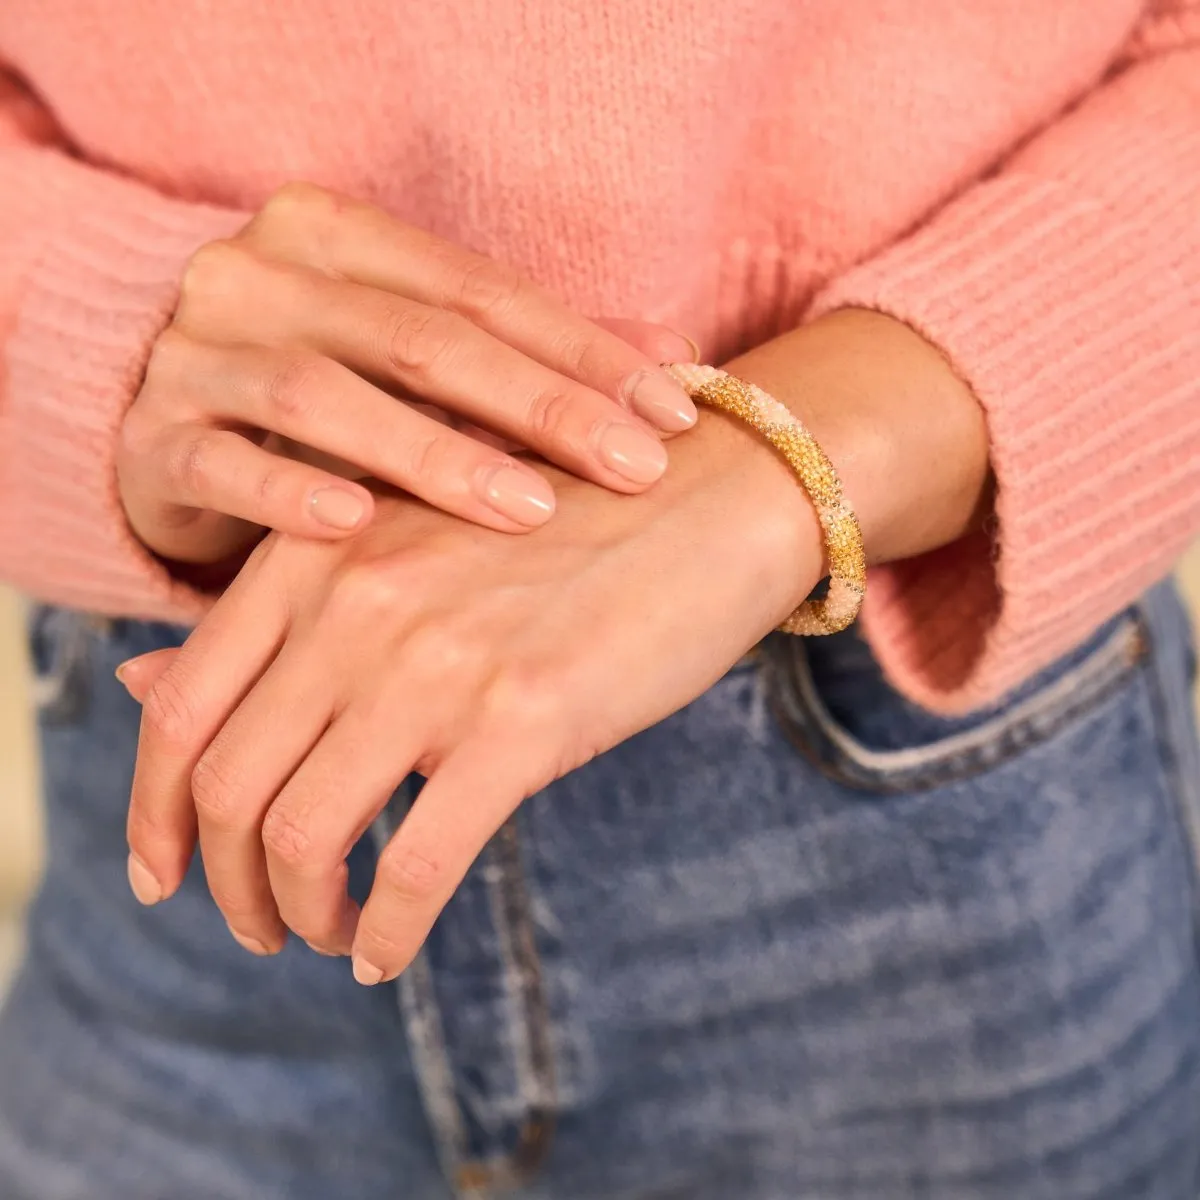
(746, 511)
(727, 500)
(906, 435)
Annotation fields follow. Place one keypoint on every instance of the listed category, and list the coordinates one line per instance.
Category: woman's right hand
(314, 325)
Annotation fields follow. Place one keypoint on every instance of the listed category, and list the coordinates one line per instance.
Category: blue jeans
(801, 941)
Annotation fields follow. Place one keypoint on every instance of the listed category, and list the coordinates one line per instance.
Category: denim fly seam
(529, 1023)
(526, 1032)
(423, 1023)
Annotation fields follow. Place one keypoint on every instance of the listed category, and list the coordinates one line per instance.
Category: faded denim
(801, 941)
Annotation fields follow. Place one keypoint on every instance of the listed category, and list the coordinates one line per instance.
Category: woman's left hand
(491, 665)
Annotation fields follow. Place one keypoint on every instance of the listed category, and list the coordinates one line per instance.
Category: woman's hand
(329, 671)
(309, 326)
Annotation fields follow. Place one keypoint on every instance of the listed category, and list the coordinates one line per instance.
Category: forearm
(88, 271)
(1063, 287)
(904, 433)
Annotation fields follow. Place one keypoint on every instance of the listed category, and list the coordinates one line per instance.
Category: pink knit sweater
(1018, 179)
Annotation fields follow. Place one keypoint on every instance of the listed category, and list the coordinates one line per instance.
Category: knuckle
(581, 352)
(443, 650)
(215, 791)
(170, 712)
(412, 876)
(213, 269)
(270, 491)
(292, 389)
(169, 359)
(299, 202)
(550, 413)
(148, 828)
(416, 340)
(189, 464)
(386, 950)
(138, 436)
(525, 699)
(376, 585)
(430, 459)
(287, 840)
(487, 289)
(363, 592)
(307, 222)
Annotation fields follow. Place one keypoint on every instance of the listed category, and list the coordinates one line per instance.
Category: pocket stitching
(842, 757)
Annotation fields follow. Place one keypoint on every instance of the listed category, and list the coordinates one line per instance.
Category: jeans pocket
(835, 706)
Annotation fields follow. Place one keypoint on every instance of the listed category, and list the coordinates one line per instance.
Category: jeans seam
(418, 1006)
(531, 1028)
(532, 1040)
(431, 1060)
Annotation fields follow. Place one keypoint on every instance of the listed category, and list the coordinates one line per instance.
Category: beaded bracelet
(843, 537)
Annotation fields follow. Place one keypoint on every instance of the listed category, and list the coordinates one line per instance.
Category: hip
(800, 939)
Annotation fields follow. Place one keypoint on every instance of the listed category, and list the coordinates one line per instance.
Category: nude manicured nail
(337, 508)
(248, 943)
(142, 883)
(694, 345)
(366, 973)
(632, 453)
(520, 495)
(322, 952)
(662, 402)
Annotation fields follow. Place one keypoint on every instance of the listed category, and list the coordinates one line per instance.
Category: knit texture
(1017, 180)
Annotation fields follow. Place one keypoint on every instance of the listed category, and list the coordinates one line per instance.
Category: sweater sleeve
(1065, 289)
(89, 266)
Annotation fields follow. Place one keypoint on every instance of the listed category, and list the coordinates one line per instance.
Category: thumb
(658, 342)
(140, 674)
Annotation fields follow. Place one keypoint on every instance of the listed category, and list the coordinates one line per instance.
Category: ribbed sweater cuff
(1094, 425)
(102, 260)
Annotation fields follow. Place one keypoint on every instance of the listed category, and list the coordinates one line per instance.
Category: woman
(910, 916)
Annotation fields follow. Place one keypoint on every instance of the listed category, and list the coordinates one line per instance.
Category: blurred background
(20, 831)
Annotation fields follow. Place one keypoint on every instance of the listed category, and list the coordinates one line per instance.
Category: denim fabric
(801, 941)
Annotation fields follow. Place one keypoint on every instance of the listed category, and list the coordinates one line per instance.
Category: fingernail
(121, 671)
(632, 453)
(323, 953)
(247, 943)
(695, 345)
(337, 508)
(521, 496)
(662, 402)
(368, 974)
(142, 883)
